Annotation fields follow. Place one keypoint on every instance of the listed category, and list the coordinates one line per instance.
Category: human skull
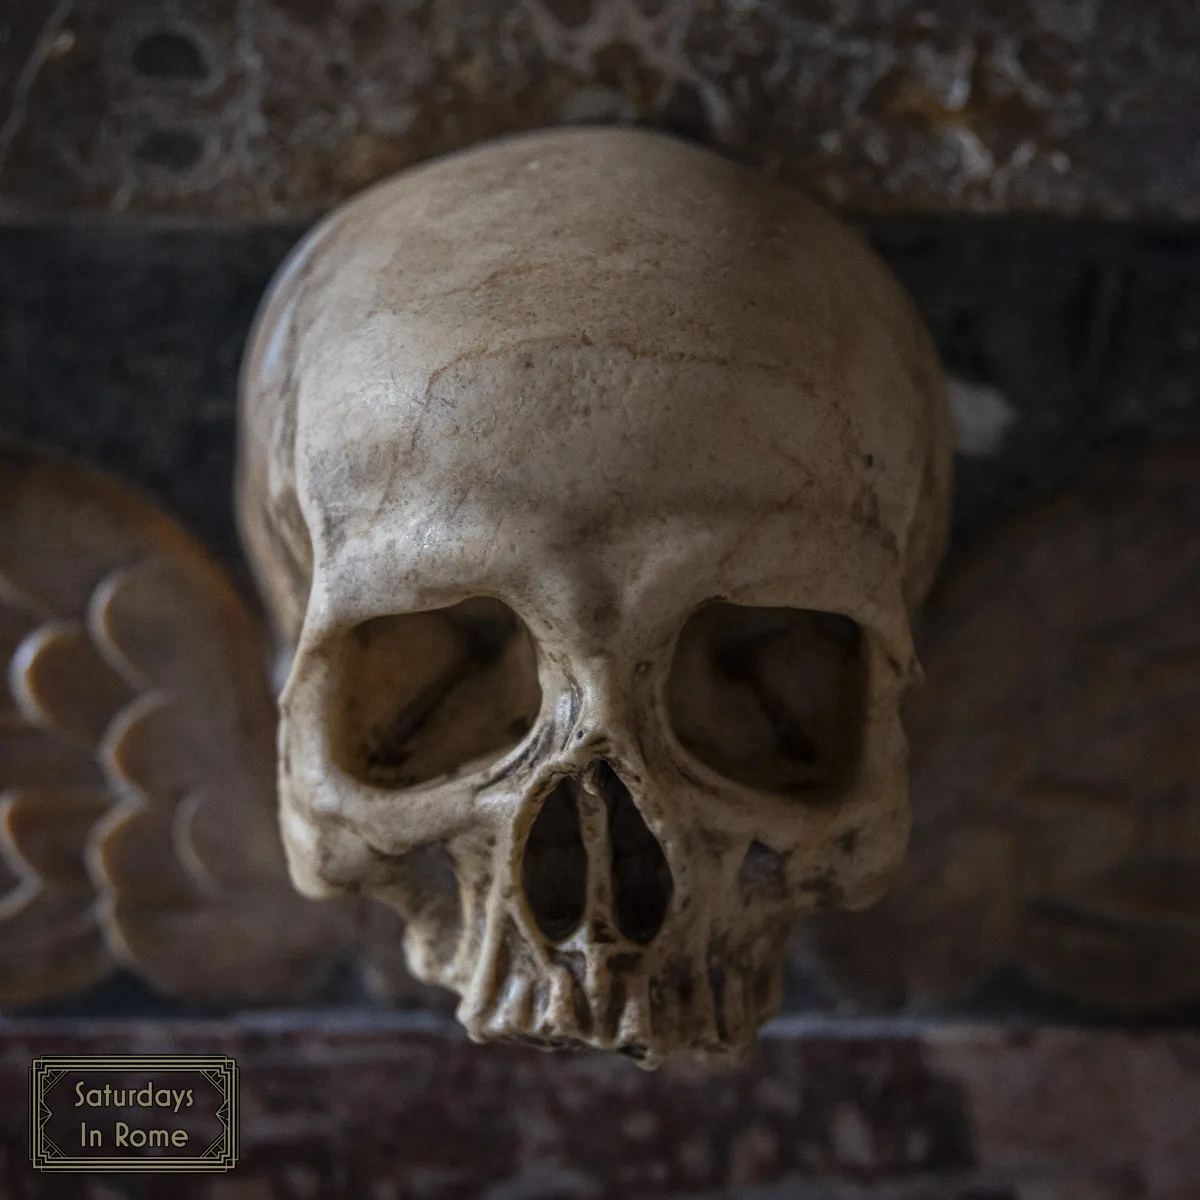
(591, 479)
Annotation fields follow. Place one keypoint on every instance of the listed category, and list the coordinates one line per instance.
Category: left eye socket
(433, 694)
(772, 698)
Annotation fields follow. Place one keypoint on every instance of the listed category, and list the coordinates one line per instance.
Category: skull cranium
(591, 479)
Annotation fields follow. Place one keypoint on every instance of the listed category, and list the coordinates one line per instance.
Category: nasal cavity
(641, 879)
(555, 864)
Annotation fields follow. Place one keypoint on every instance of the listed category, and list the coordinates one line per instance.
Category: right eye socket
(772, 698)
(421, 696)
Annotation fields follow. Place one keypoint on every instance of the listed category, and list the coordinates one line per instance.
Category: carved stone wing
(1055, 759)
(137, 792)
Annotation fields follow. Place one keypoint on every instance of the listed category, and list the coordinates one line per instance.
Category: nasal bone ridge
(559, 854)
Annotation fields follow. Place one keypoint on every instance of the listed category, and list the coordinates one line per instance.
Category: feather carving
(1055, 759)
(137, 794)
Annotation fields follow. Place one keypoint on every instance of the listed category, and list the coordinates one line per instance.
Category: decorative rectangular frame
(219, 1070)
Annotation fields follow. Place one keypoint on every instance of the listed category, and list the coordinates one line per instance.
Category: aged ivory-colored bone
(591, 480)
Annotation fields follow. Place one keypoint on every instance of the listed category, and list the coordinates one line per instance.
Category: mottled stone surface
(395, 1110)
(276, 109)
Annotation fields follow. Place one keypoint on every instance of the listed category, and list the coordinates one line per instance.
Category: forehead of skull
(606, 326)
(596, 438)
